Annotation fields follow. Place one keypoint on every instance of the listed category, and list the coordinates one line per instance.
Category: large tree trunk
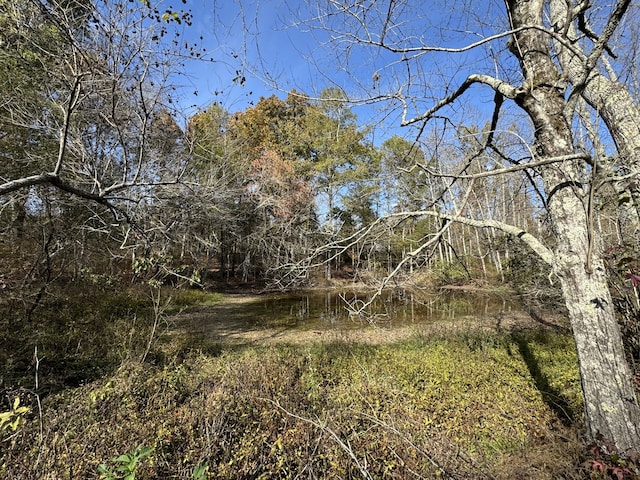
(611, 408)
(616, 106)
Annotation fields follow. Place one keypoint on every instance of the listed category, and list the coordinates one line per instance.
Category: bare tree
(557, 54)
(89, 141)
(105, 89)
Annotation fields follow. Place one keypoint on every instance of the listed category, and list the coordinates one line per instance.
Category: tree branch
(14, 185)
(599, 47)
(496, 84)
(516, 168)
(536, 245)
(66, 115)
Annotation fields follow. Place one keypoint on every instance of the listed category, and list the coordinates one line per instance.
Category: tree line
(100, 177)
(99, 153)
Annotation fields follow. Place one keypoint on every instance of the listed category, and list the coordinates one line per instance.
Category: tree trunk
(611, 408)
(481, 255)
(617, 107)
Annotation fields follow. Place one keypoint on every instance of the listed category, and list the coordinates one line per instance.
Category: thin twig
(322, 426)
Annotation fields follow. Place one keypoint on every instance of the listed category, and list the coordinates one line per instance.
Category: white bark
(611, 408)
(611, 100)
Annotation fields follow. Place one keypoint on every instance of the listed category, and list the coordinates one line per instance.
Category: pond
(392, 309)
(317, 314)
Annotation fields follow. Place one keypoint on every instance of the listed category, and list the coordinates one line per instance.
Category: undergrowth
(471, 406)
(80, 334)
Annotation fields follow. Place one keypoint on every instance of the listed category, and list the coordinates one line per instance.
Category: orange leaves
(277, 186)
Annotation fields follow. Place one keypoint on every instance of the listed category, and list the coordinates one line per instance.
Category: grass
(184, 298)
(82, 334)
(451, 406)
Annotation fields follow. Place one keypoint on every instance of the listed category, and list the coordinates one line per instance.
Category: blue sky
(261, 40)
(251, 37)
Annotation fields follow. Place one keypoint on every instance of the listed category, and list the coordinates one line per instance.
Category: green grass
(473, 406)
(82, 334)
(184, 298)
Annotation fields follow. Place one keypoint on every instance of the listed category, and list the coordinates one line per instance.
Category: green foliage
(274, 160)
(160, 269)
(200, 472)
(31, 48)
(11, 419)
(446, 273)
(529, 274)
(342, 163)
(99, 280)
(82, 330)
(206, 132)
(406, 188)
(278, 411)
(125, 466)
(189, 297)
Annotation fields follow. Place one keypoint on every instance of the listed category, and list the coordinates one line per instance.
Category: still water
(334, 310)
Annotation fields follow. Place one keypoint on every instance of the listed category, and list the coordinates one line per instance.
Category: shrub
(441, 406)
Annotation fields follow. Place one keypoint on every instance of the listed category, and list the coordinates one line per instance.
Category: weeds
(11, 419)
(606, 461)
(451, 405)
(125, 466)
(433, 407)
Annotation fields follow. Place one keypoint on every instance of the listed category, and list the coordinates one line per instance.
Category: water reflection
(398, 308)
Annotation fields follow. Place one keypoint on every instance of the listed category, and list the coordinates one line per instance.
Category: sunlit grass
(181, 298)
(467, 405)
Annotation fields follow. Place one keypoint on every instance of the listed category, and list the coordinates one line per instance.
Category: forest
(514, 169)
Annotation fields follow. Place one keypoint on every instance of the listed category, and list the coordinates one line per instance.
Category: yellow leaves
(11, 419)
(171, 16)
(244, 411)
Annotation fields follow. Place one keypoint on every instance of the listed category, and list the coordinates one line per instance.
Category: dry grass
(444, 405)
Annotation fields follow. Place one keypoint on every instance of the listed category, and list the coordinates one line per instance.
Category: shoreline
(226, 322)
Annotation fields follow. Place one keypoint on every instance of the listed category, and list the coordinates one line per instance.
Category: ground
(223, 322)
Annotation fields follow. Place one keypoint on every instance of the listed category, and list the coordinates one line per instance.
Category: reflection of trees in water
(393, 308)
